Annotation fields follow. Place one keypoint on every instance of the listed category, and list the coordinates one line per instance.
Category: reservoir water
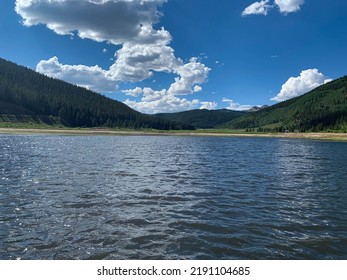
(150, 197)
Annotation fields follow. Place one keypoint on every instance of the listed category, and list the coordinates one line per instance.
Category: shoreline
(342, 137)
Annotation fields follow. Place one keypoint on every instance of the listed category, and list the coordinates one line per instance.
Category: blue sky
(175, 55)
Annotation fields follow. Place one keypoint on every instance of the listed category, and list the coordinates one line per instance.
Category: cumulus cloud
(296, 86)
(91, 77)
(232, 105)
(158, 101)
(190, 75)
(289, 6)
(116, 21)
(263, 7)
(208, 105)
(144, 50)
(257, 8)
(136, 92)
(136, 62)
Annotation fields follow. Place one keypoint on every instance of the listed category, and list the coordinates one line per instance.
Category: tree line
(324, 108)
(76, 106)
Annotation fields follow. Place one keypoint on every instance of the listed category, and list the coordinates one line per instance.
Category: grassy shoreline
(221, 133)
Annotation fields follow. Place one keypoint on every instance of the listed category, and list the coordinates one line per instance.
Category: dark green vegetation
(203, 118)
(322, 109)
(30, 99)
(35, 100)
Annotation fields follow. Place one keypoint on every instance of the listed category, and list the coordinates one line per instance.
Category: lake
(171, 197)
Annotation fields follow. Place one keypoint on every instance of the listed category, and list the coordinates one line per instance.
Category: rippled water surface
(143, 197)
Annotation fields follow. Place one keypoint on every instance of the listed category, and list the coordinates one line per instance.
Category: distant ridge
(256, 108)
(324, 108)
(203, 118)
(27, 96)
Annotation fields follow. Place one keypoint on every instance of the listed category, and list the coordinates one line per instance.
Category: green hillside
(202, 118)
(27, 96)
(324, 108)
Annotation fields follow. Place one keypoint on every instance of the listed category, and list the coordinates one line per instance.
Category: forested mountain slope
(203, 118)
(24, 92)
(321, 109)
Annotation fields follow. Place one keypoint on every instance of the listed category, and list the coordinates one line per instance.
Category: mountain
(202, 118)
(256, 108)
(27, 96)
(323, 108)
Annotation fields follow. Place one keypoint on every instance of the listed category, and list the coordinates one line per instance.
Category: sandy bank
(318, 136)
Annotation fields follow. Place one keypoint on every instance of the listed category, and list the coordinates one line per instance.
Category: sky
(176, 55)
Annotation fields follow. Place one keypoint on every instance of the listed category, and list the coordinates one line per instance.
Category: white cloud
(236, 106)
(257, 8)
(296, 86)
(191, 74)
(133, 63)
(116, 21)
(136, 67)
(144, 49)
(136, 62)
(158, 101)
(289, 6)
(154, 101)
(263, 7)
(197, 88)
(91, 77)
(208, 105)
(133, 92)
